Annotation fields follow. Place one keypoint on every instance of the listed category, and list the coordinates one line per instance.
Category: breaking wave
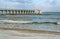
(12, 21)
(27, 22)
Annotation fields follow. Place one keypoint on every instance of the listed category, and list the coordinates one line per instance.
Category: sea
(49, 21)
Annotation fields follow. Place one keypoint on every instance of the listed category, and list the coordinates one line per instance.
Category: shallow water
(46, 21)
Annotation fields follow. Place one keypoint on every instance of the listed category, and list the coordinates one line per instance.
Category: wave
(12, 21)
(27, 22)
(56, 23)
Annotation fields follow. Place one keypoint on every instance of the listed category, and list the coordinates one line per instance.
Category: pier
(17, 12)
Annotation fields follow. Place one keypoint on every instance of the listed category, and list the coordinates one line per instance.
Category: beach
(44, 26)
(10, 33)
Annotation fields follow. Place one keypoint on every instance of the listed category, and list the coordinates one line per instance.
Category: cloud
(44, 5)
(5, 4)
(48, 5)
(15, 4)
(20, 1)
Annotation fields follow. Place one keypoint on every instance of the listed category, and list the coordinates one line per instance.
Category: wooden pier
(17, 12)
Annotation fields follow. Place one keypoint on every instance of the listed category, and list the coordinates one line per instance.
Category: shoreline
(32, 31)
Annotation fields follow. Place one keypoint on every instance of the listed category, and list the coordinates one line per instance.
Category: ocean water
(45, 21)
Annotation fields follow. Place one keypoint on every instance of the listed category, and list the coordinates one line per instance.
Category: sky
(43, 5)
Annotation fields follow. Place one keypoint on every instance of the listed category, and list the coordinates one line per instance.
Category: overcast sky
(44, 5)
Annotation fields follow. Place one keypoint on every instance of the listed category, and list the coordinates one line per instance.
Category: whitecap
(12, 21)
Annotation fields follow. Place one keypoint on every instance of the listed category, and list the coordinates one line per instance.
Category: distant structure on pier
(17, 12)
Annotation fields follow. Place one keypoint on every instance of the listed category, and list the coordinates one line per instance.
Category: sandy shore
(32, 31)
(15, 33)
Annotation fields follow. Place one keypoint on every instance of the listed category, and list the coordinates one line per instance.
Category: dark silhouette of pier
(17, 12)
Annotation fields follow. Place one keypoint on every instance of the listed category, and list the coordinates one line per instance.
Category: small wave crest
(28, 22)
(12, 21)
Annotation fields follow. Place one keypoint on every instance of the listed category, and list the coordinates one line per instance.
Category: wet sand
(32, 31)
(15, 33)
